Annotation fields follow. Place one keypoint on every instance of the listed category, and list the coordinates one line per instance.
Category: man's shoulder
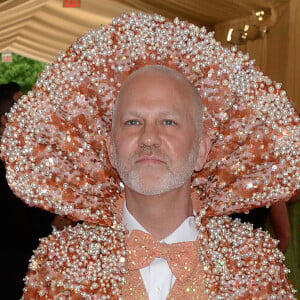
(77, 262)
(243, 261)
(239, 246)
(236, 234)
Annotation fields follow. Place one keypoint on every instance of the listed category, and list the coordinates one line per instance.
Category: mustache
(150, 151)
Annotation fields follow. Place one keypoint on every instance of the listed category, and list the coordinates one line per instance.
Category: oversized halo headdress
(54, 144)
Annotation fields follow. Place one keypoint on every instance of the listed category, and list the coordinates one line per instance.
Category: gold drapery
(41, 28)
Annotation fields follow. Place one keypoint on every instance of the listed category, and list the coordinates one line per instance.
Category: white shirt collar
(186, 232)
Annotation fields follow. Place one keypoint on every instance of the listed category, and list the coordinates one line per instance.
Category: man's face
(154, 144)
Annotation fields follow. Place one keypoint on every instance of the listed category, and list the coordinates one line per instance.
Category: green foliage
(22, 70)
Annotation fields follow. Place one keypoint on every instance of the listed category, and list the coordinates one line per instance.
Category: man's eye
(132, 122)
(169, 122)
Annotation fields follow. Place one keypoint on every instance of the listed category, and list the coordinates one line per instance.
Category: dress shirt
(158, 278)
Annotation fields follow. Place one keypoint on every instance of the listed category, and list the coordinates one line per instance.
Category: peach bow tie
(143, 249)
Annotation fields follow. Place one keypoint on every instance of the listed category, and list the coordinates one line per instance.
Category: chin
(153, 186)
(147, 191)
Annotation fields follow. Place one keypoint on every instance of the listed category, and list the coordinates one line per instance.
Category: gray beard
(165, 182)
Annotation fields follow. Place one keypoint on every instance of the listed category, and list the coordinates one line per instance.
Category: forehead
(152, 89)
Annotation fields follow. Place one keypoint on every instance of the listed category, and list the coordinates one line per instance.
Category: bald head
(156, 141)
(182, 86)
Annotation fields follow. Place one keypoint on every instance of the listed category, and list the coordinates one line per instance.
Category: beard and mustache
(153, 179)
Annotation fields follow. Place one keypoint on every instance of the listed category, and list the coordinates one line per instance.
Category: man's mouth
(149, 160)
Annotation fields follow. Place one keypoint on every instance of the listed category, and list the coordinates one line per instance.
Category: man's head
(156, 141)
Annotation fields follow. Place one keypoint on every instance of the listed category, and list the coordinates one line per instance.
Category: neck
(161, 214)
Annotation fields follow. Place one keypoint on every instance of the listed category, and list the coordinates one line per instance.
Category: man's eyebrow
(140, 115)
(132, 114)
(168, 113)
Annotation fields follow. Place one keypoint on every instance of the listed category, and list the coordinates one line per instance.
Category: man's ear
(109, 147)
(204, 145)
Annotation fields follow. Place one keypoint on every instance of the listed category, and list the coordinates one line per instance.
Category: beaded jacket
(90, 262)
(54, 148)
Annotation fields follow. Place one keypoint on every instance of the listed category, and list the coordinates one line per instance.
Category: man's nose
(149, 136)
